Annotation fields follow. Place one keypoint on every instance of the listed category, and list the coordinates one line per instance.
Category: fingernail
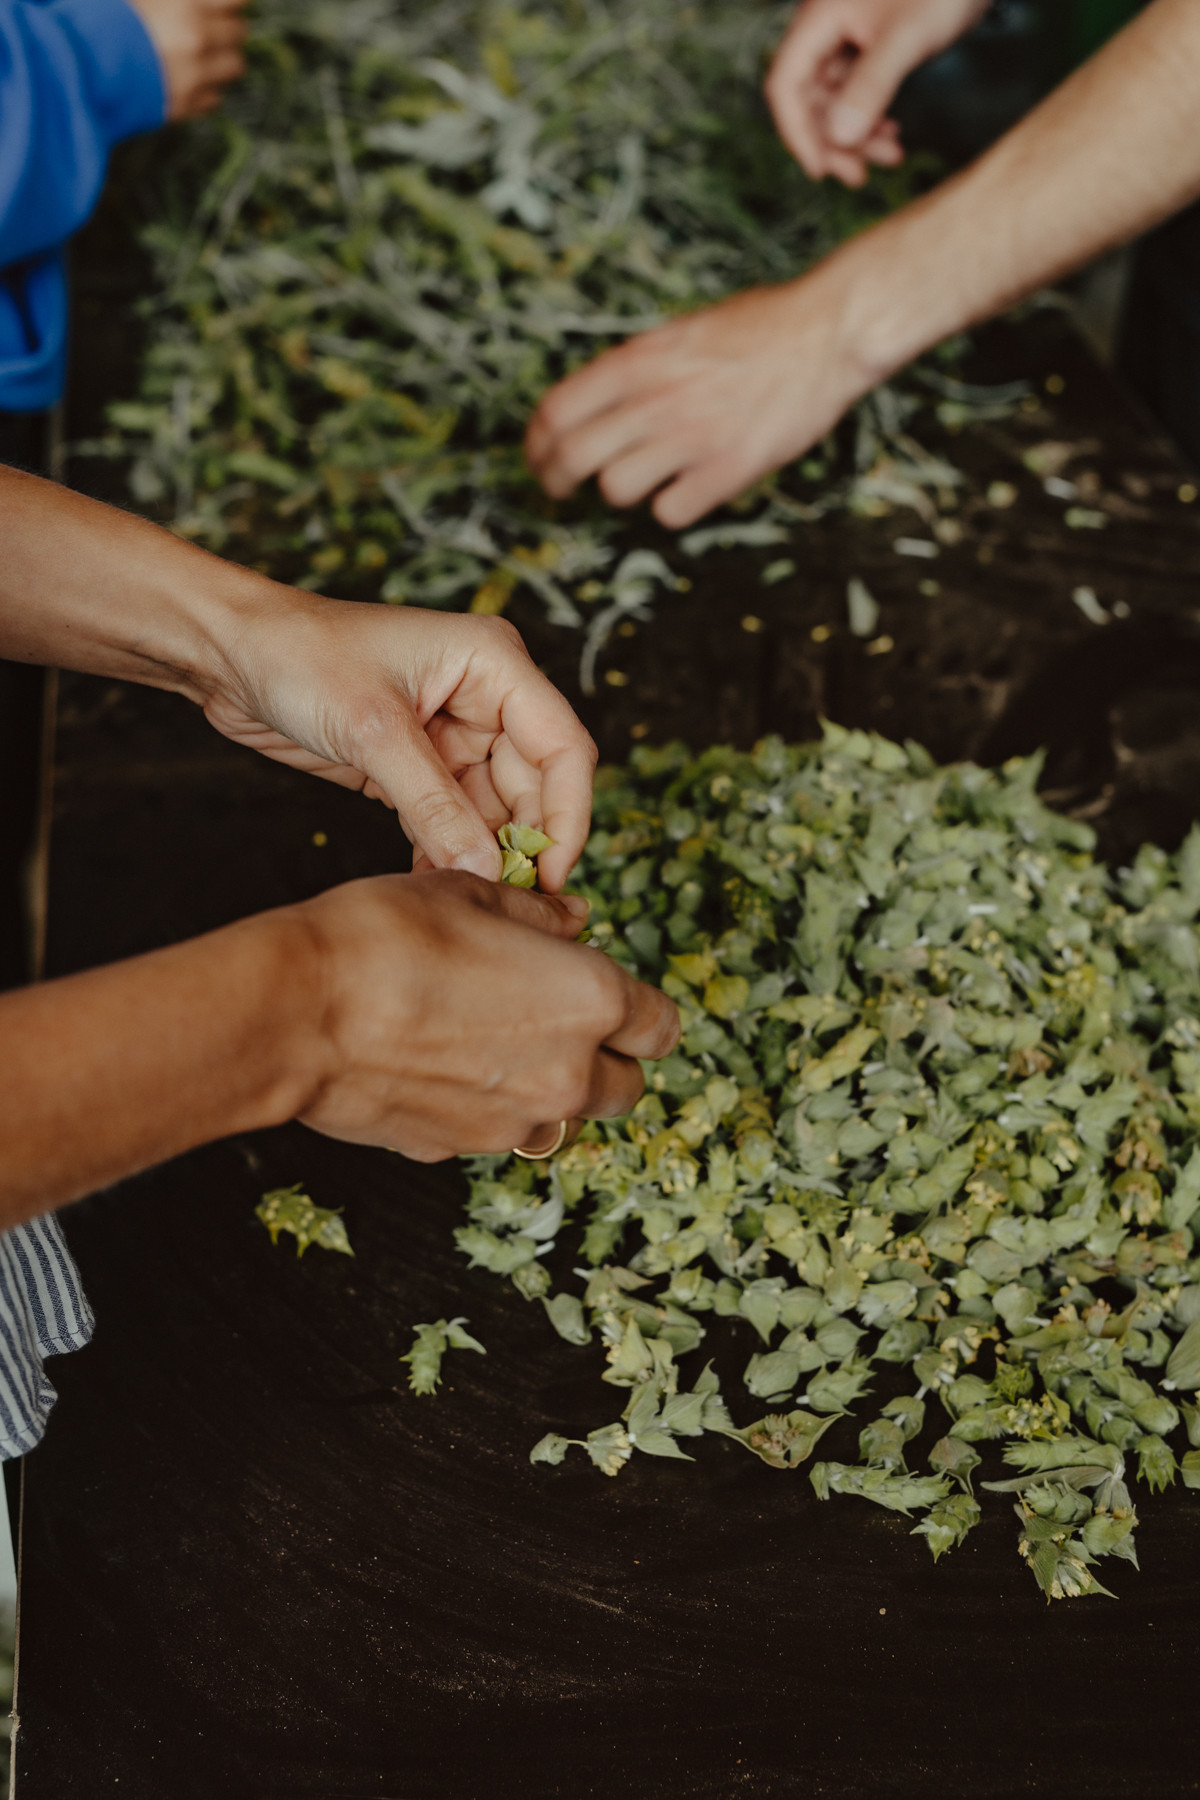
(848, 125)
(576, 905)
(482, 861)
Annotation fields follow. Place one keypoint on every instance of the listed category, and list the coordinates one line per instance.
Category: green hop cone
(519, 846)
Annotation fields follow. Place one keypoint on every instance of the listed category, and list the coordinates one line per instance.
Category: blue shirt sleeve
(76, 76)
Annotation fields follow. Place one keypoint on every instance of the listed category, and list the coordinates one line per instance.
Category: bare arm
(392, 1011)
(1109, 154)
(444, 718)
(698, 410)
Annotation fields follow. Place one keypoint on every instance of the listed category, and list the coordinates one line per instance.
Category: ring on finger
(551, 1149)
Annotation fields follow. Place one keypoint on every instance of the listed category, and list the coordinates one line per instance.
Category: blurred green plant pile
(935, 1119)
(402, 228)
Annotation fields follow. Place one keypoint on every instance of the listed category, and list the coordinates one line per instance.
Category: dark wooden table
(255, 1565)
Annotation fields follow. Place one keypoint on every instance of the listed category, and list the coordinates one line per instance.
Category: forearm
(112, 1071)
(1108, 154)
(85, 586)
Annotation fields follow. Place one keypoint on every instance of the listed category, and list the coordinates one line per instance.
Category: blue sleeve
(76, 76)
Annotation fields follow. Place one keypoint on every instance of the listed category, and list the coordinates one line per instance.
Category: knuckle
(504, 632)
(377, 722)
(470, 889)
(435, 812)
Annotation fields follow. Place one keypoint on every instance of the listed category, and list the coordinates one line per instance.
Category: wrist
(228, 615)
(118, 596)
(291, 1045)
(884, 318)
(916, 278)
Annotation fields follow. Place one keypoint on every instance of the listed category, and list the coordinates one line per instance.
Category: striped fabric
(43, 1312)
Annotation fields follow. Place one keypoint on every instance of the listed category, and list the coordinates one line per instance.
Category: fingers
(588, 443)
(546, 737)
(643, 1024)
(870, 87)
(559, 915)
(437, 816)
(566, 811)
(649, 1024)
(581, 396)
(709, 483)
(617, 1086)
(540, 761)
(834, 77)
(477, 784)
(795, 87)
(548, 1133)
(630, 478)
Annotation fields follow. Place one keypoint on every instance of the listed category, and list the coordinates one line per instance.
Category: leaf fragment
(290, 1209)
(430, 1343)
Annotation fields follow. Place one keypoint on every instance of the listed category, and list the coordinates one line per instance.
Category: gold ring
(560, 1138)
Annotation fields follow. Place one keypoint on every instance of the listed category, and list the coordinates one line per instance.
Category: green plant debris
(520, 846)
(290, 1209)
(935, 1119)
(430, 1344)
(403, 227)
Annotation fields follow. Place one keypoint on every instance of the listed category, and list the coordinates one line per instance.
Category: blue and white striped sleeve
(43, 1312)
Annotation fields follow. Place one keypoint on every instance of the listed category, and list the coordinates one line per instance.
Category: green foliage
(402, 228)
(936, 1104)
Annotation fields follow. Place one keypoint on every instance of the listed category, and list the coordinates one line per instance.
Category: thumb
(435, 813)
(870, 87)
(560, 915)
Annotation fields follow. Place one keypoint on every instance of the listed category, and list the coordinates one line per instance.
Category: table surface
(254, 1564)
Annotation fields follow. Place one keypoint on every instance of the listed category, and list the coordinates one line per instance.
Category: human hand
(443, 717)
(199, 44)
(839, 66)
(697, 410)
(456, 1015)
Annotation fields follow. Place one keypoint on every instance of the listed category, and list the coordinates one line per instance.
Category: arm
(393, 1011)
(701, 408)
(434, 1013)
(444, 718)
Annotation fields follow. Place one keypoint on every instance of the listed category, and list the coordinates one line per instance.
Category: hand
(199, 45)
(433, 1013)
(838, 68)
(699, 409)
(443, 717)
(458, 1016)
